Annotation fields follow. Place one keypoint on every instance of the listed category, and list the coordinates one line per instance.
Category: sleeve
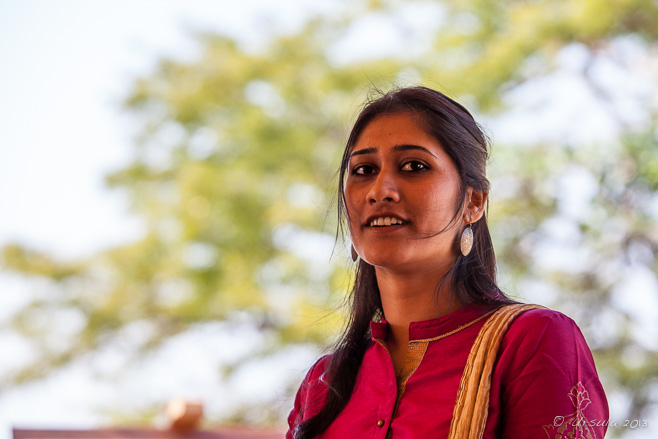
(310, 395)
(545, 383)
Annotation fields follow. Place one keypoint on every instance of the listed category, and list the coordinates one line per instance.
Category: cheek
(352, 209)
(441, 201)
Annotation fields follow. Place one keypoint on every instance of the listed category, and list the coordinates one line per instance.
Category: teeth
(385, 221)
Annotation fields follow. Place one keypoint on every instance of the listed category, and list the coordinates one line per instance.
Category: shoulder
(547, 328)
(317, 372)
(543, 319)
(543, 316)
(310, 395)
(542, 337)
(315, 382)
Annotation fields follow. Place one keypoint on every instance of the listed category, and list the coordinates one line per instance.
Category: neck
(412, 297)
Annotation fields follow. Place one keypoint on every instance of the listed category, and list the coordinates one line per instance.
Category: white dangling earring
(466, 242)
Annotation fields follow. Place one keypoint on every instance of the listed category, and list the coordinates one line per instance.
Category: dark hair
(473, 277)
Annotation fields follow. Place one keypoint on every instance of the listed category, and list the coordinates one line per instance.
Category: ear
(474, 205)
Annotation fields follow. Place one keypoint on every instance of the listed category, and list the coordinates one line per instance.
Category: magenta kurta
(544, 383)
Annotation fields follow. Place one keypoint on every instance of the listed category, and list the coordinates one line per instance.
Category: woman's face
(401, 189)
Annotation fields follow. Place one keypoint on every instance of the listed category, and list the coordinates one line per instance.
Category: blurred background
(167, 189)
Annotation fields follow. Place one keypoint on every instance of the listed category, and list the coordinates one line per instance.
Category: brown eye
(414, 166)
(363, 170)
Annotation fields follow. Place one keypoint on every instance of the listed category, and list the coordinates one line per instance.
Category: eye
(363, 170)
(414, 166)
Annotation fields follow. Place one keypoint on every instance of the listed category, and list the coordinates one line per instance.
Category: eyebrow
(405, 147)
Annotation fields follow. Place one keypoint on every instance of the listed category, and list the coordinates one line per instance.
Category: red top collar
(436, 327)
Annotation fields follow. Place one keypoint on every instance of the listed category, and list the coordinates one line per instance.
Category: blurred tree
(234, 176)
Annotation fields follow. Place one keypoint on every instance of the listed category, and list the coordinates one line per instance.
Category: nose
(384, 188)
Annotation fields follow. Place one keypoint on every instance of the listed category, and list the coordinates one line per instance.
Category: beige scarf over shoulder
(472, 406)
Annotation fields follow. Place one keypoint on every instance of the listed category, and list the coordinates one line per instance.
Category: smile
(385, 221)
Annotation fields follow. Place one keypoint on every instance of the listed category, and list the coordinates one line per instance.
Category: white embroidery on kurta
(575, 425)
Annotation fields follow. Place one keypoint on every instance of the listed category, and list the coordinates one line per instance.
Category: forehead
(395, 129)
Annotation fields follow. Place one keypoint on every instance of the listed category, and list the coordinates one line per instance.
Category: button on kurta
(380, 423)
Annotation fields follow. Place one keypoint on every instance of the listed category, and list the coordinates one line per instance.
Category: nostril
(384, 189)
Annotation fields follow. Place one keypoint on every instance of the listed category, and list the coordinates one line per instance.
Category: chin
(389, 260)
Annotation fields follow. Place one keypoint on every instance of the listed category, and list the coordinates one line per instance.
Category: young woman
(433, 347)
